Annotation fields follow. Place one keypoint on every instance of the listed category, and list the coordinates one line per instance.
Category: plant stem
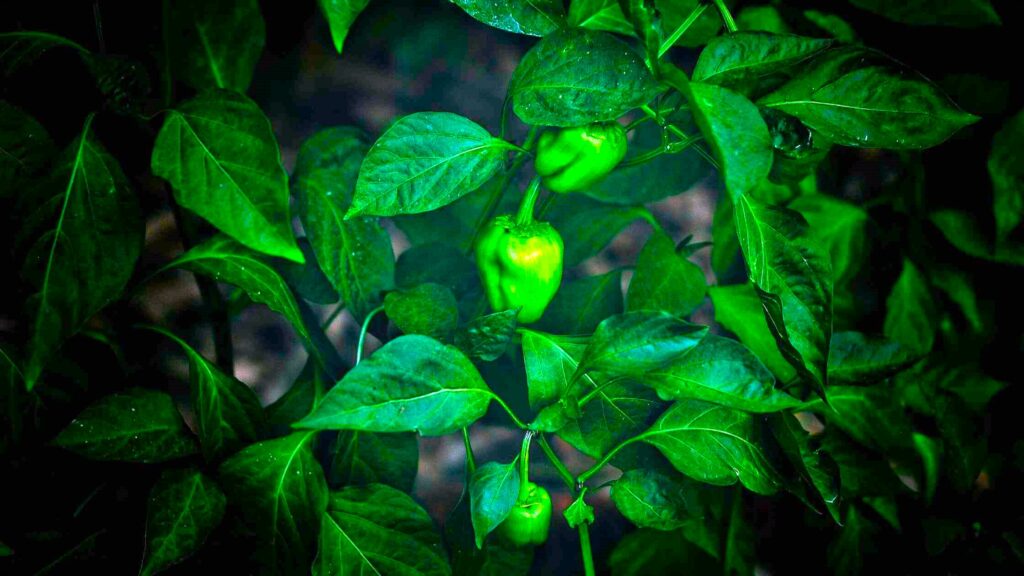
(499, 191)
(334, 314)
(549, 200)
(525, 214)
(470, 459)
(730, 24)
(511, 414)
(588, 556)
(362, 332)
(563, 472)
(671, 40)
(679, 133)
(605, 460)
(524, 465)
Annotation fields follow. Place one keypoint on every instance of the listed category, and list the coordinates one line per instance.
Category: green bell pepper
(528, 522)
(573, 159)
(520, 265)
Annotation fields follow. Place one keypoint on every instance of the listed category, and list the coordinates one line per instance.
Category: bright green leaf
(493, 490)
(340, 15)
(664, 280)
(531, 17)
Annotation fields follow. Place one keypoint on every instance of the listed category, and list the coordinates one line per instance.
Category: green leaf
(633, 343)
(5, 550)
(25, 149)
(607, 15)
(279, 489)
(850, 550)
(587, 226)
(714, 444)
(216, 43)
(819, 474)
(965, 380)
(648, 551)
(220, 156)
(378, 530)
(81, 235)
(964, 441)
(737, 135)
(652, 499)
(911, 313)
(861, 472)
(487, 337)
(184, 508)
(139, 425)
(531, 17)
(956, 13)
(832, 25)
(440, 264)
(574, 77)
(740, 547)
(307, 280)
(664, 280)
(550, 362)
(19, 50)
(794, 282)
(1006, 168)
(856, 97)
(870, 415)
(618, 411)
(840, 227)
(228, 414)
(741, 59)
(300, 398)
(363, 458)
(855, 358)
(428, 309)
(493, 490)
(228, 261)
(356, 254)
(340, 15)
(739, 309)
(578, 513)
(579, 306)
(423, 162)
(963, 232)
(723, 371)
(454, 225)
(412, 383)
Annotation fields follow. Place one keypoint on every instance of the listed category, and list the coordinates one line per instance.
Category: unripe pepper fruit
(528, 522)
(520, 265)
(573, 159)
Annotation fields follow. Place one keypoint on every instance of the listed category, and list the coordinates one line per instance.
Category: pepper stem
(524, 465)
(525, 214)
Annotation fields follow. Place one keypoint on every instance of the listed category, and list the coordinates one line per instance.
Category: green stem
(605, 460)
(679, 133)
(470, 459)
(499, 191)
(362, 332)
(671, 40)
(563, 472)
(511, 414)
(588, 556)
(524, 465)
(549, 200)
(730, 24)
(525, 214)
(334, 314)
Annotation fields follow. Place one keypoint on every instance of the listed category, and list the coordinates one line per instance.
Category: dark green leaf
(819, 474)
(871, 416)
(574, 77)
(587, 226)
(455, 224)
(5, 550)
(723, 371)
(228, 414)
(852, 548)
(413, 383)
(340, 15)
(965, 443)
(428, 309)
(739, 309)
(580, 305)
(714, 444)
(652, 499)
(793, 278)
(957, 13)
(740, 547)
(378, 530)
(635, 342)
(911, 314)
(965, 380)
(967, 235)
(216, 43)
(19, 50)
(958, 285)
(531, 17)
(664, 280)
(279, 488)
(741, 59)
(861, 472)
(550, 362)
(1006, 168)
(487, 337)
(607, 15)
(362, 458)
(139, 425)
(25, 149)
(220, 156)
(493, 490)
(838, 226)
(423, 162)
(856, 97)
(356, 254)
(300, 398)
(617, 412)
(855, 358)
(184, 507)
(832, 25)
(438, 263)
(647, 551)
(307, 280)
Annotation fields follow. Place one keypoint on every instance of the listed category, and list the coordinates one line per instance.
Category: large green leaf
(81, 234)
(740, 311)
(25, 149)
(869, 415)
(588, 226)
(617, 411)
(423, 162)
(493, 490)
(855, 358)
(912, 315)
(377, 530)
(487, 337)
(957, 13)
(664, 280)
(573, 77)
(793, 278)
(723, 371)
(856, 97)
(1006, 167)
(580, 305)
(818, 472)
(340, 15)
(139, 425)
(652, 499)
(714, 444)
(184, 508)
(531, 17)
(228, 414)
(429, 309)
(362, 458)
(413, 383)
(550, 362)
(840, 227)
(356, 254)
(633, 343)
(220, 156)
(607, 15)
(279, 488)
(738, 60)
(216, 43)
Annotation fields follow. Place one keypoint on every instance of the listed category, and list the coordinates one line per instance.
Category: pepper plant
(830, 394)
